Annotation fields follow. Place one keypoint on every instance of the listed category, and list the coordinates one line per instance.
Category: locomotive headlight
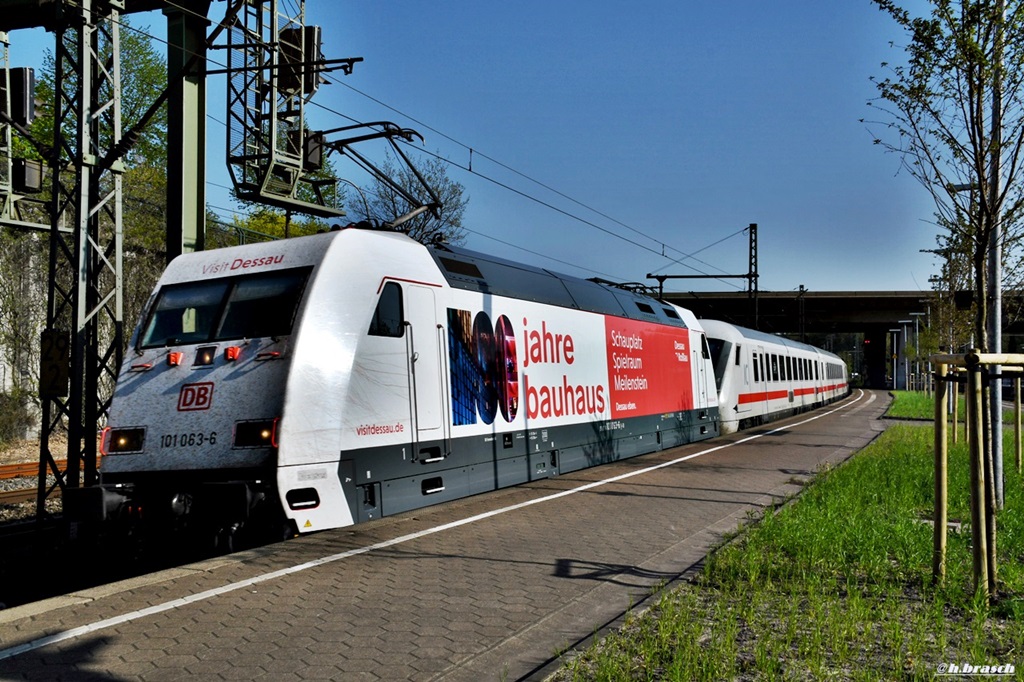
(256, 434)
(118, 441)
(204, 356)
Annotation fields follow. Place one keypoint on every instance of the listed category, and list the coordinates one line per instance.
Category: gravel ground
(26, 451)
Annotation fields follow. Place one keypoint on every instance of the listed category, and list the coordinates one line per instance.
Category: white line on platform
(249, 582)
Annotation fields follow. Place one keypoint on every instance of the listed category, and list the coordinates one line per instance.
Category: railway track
(17, 496)
(22, 469)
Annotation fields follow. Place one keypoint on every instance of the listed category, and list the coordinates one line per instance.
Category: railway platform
(493, 587)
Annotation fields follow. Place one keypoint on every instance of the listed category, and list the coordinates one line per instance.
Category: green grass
(918, 405)
(836, 585)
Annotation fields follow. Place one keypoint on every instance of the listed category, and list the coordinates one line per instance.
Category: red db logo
(195, 397)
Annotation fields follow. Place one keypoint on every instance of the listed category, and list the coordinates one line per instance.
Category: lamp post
(906, 360)
(895, 345)
(917, 345)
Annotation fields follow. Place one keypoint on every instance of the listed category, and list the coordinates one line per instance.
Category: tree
(957, 107)
(956, 119)
(380, 203)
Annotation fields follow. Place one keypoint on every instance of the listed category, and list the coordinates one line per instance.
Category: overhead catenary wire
(469, 168)
(503, 185)
(474, 151)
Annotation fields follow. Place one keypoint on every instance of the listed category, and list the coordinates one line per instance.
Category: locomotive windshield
(250, 306)
(720, 352)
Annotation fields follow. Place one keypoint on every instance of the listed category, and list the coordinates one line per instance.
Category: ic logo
(195, 397)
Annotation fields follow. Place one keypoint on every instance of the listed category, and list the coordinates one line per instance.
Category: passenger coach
(763, 377)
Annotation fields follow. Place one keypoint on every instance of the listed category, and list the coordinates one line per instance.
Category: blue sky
(684, 120)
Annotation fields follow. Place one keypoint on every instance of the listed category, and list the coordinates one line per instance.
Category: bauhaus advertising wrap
(541, 366)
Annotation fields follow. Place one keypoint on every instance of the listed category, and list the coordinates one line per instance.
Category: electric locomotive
(325, 380)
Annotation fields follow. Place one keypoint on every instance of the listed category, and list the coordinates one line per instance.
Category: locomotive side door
(701, 360)
(424, 362)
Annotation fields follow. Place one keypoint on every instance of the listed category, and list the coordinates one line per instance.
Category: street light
(906, 360)
(895, 336)
(917, 346)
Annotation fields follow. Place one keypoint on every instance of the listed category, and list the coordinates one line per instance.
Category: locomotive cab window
(388, 317)
(719, 350)
(250, 306)
(261, 306)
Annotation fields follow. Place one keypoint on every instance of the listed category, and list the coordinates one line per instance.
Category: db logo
(195, 397)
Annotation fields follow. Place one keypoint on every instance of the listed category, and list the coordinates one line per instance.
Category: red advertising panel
(648, 368)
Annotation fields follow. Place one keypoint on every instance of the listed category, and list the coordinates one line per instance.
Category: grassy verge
(836, 585)
(918, 405)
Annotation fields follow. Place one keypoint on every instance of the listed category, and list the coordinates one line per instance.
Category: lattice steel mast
(84, 325)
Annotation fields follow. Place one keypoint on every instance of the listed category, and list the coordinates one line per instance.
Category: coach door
(742, 369)
(426, 390)
(761, 379)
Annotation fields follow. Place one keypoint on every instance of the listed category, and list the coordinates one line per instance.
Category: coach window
(739, 349)
(775, 367)
(757, 372)
(388, 317)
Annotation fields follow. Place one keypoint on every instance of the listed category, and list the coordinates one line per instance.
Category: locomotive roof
(475, 271)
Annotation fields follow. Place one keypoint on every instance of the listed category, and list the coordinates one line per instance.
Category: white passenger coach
(762, 377)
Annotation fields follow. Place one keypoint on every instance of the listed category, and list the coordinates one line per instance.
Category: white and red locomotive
(331, 379)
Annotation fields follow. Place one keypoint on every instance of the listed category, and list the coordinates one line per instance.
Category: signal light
(174, 358)
(256, 434)
(118, 441)
(204, 356)
(231, 353)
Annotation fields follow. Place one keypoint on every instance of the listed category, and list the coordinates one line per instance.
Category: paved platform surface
(493, 587)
